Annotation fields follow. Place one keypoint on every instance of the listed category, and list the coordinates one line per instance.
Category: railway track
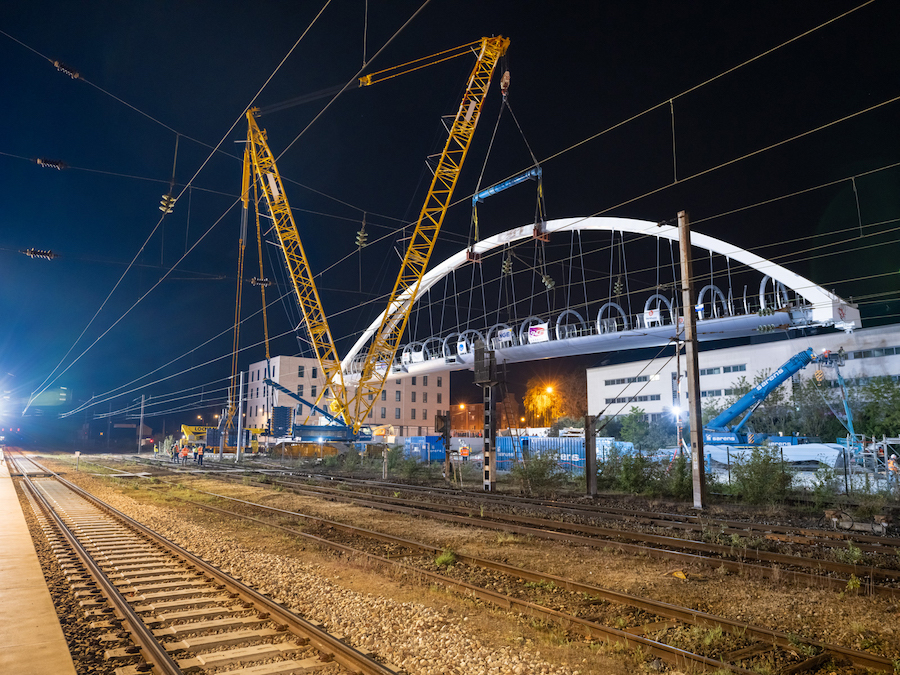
(645, 623)
(167, 610)
(733, 557)
(652, 624)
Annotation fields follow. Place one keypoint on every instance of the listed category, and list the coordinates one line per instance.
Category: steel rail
(344, 654)
(805, 536)
(152, 650)
(588, 510)
(667, 610)
(542, 528)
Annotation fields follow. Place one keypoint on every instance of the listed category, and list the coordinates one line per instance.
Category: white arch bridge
(514, 304)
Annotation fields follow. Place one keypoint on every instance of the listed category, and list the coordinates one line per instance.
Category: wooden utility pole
(693, 372)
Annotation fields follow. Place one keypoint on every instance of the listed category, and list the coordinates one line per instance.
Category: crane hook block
(504, 84)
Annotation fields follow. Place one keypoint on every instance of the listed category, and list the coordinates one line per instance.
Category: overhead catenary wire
(48, 381)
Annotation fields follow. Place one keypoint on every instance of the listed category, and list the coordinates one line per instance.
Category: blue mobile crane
(718, 432)
(335, 430)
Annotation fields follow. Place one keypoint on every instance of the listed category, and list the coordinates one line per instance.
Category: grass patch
(447, 558)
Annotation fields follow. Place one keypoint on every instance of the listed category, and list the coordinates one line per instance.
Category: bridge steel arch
(825, 308)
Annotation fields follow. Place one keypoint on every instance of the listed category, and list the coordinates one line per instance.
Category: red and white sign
(538, 333)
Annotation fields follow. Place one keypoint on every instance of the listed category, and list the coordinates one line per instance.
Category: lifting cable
(474, 223)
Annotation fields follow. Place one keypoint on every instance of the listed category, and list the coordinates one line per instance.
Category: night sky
(578, 68)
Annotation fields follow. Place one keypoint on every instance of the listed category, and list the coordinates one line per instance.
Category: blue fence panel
(569, 451)
(424, 448)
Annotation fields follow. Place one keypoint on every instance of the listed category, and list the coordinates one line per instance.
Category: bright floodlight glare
(676, 410)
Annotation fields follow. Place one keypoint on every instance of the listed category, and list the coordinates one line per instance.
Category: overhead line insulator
(63, 68)
(57, 164)
(361, 238)
(40, 253)
(548, 281)
(167, 203)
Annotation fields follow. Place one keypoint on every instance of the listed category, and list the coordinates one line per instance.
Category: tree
(879, 408)
(542, 402)
(572, 389)
(635, 428)
(812, 403)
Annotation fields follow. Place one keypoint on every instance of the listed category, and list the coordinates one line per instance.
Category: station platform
(31, 639)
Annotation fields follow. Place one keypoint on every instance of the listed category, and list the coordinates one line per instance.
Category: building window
(440, 381)
(710, 371)
(315, 372)
(738, 391)
(397, 395)
(299, 390)
(383, 412)
(370, 413)
(735, 369)
(424, 397)
(412, 413)
(301, 370)
(414, 381)
(383, 395)
(412, 397)
(626, 380)
(396, 381)
(709, 393)
(439, 397)
(312, 390)
(396, 413)
(424, 380)
(424, 413)
(631, 399)
(299, 409)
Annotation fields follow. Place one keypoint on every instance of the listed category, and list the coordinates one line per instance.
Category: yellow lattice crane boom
(386, 341)
(260, 167)
(259, 163)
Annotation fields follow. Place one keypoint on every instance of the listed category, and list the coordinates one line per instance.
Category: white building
(408, 404)
(650, 384)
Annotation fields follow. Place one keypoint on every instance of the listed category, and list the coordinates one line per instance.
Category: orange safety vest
(200, 450)
(892, 466)
(184, 452)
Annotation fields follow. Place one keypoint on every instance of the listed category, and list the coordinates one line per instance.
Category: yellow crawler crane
(259, 166)
(383, 349)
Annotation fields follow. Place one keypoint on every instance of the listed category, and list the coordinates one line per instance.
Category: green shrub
(634, 474)
(677, 481)
(760, 478)
(541, 474)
